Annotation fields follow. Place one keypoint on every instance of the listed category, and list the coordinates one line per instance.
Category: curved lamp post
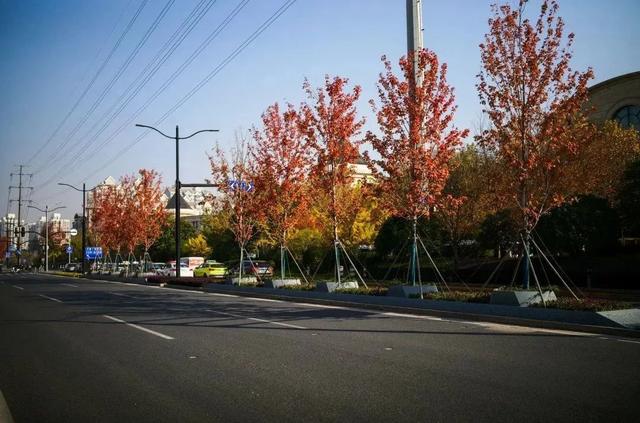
(177, 138)
(46, 231)
(84, 208)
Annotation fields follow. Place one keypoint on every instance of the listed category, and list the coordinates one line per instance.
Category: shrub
(376, 291)
(587, 304)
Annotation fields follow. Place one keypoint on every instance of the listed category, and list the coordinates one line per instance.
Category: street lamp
(177, 188)
(46, 232)
(84, 208)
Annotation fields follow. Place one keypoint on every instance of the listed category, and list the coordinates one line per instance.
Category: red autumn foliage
(330, 125)
(129, 214)
(282, 163)
(232, 177)
(417, 140)
(534, 100)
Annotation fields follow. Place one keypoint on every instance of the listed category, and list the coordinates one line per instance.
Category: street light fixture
(177, 138)
(46, 231)
(84, 208)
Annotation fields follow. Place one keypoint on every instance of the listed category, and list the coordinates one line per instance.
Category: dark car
(260, 268)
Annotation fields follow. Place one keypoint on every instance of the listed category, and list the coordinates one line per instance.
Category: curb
(458, 315)
(5, 413)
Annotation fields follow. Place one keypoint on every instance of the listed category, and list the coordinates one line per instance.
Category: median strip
(152, 332)
(49, 298)
(257, 319)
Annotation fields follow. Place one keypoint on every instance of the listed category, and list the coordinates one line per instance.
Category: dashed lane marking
(256, 319)
(69, 284)
(18, 287)
(133, 325)
(49, 298)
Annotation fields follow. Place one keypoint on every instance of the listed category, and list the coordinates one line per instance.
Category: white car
(184, 271)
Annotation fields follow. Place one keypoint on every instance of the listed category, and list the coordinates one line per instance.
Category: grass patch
(377, 291)
(587, 304)
(461, 296)
(68, 274)
(298, 287)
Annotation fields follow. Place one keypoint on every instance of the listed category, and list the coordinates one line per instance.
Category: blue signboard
(93, 253)
(69, 249)
(241, 185)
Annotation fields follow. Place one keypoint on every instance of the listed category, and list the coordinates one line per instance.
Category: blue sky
(52, 49)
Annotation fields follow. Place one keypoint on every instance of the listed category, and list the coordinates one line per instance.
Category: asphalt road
(89, 351)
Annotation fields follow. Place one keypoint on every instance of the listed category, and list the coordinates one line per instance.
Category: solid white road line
(18, 287)
(152, 332)
(70, 284)
(628, 340)
(414, 316)
(120, 295)
(256, 319)
(49, 298)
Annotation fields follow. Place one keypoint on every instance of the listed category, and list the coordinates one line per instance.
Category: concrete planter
(332, 286)
(406, 291)
(246, 280)
(279, 283)
(520, 298)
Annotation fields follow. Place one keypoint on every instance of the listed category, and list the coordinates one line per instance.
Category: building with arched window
(617, 99)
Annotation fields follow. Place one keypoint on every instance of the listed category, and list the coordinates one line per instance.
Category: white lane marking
(256, 319)
(628, 340)
(333, 307)
(268, 300)
(133, 325)
(69, 284)
(414, 316)
(18, 287)
(220, 295)
(120, 295)
(49, 298)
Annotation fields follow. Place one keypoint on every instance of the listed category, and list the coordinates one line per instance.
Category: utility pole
(414, 33)
(19, 228)
(176, 195)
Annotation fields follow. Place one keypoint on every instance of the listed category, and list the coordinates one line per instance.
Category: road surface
(90, 351)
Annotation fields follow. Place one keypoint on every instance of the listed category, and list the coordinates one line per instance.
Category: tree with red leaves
(534, 101)
(149, 209)
(417, 139)
(282, 163)
(331, 124)
(235, 181)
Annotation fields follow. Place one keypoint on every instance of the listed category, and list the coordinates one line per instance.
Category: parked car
(184, 270)
(72, 267)
(192, 262)
(158, 268)
(211, 269)
(259, 268)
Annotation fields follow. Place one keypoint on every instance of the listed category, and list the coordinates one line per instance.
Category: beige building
(617, 99)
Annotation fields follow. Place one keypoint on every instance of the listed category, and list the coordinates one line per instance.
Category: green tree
(197, 247)
(499, 231)
(587, 226)
(164, 248)
(215, 229)
(629, 199)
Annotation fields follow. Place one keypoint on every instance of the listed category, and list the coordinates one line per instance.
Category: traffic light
(23, 231)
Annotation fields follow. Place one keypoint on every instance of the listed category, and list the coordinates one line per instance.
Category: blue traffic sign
(93, 253)
(241, 185)
(69, 249)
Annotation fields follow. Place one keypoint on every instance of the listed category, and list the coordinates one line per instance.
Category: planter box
(407, 291)
(332, 286)
(629, 318)
(520, 298)
(246, 280)
(279, 283)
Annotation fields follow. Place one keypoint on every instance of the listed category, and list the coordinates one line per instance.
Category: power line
(204, 81)
(90, 85)
(60, 152)
(159, 91)
(161, 57)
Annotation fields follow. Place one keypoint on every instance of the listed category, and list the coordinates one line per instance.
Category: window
(628, 116)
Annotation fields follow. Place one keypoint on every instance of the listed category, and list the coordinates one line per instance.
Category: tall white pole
(46, 238)
(414, 32)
